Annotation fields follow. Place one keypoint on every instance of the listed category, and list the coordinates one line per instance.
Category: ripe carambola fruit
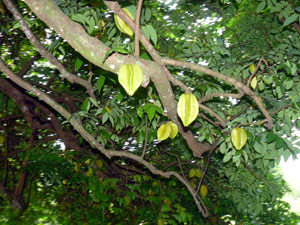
(166, 130)
(122, 26)
(130, 76)
(187, 108)
(238, 138)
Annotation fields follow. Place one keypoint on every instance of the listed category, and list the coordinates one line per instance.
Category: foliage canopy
(77, 149)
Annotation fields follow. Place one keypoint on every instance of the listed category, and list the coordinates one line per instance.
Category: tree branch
(108, 153)
(228, 95)
(47, 55)
(256, 69)
(222, 122)
(146, 137)
(206, 168)
(137, 29)
(236, 83)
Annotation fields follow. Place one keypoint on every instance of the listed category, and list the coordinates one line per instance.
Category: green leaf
(120, 97)
(245, 156)
(140, 112)
(120, 49)
(100, 83)
(223, 148)
(261, 86)
(271, 137)
(91, 23)
(227, 157)
(150, 110)
(146, 32)
(61, 49)
(105, 117)
(78, 64)
(261, 6)
(86, 105)
(290, 19)
(147, 14)
(153, 34)
(130, 77)
(288, 84)
(286, 154)
(79, 18)
(279, 142)
(93, 101)
(258, 147)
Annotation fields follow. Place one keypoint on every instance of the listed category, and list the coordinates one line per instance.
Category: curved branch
(206, 167)
(47, 55)
(175, 81)
(236, 83)
(108, 153)
(201, 206)
(228, 95)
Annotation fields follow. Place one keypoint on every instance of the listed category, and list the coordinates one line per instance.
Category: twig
(207, 119)
(137, 30)
(222, 122)
(178, 162)
(206, 168)
(175, 163)
(256, 69)
(146, 138)
(175, 81)
(28, 64)
(265, 120)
